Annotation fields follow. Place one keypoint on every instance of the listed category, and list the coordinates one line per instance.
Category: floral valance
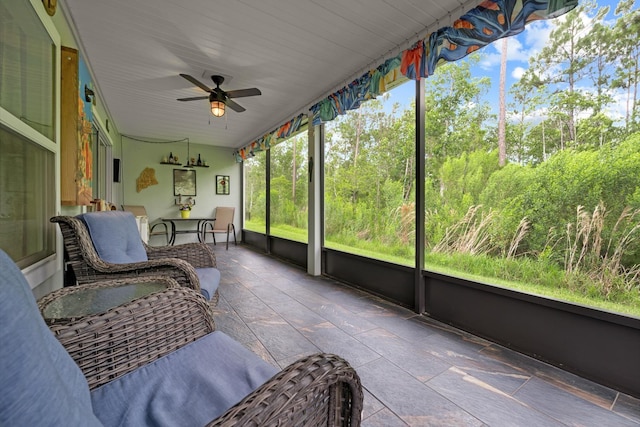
(266, 141)
(489, 21)
(482, 25)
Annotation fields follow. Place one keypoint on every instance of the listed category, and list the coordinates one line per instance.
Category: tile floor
(415, 371)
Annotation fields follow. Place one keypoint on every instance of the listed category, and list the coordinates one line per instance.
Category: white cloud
(528, 43)
(493, 53)
(536, 36)
(517, 73)
(489, 59)
(520, 47)
(618, 109)
(516, 51)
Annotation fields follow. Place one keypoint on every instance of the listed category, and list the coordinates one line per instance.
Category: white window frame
(47, 267)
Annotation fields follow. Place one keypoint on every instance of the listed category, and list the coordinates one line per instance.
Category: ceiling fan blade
(235, 107)
(193, 98)
(243, 92)
(196, 82)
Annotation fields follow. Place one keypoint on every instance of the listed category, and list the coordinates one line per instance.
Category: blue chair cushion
(188, 387)
(40, 384)
(115, 236)
(209, 281)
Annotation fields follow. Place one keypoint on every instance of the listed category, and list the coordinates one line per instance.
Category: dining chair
(157, 229)
(223, 223)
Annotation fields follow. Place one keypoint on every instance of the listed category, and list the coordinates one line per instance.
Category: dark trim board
(256, 240)
(292, 251)
(598, 345)
(289, 250)
(391, 281)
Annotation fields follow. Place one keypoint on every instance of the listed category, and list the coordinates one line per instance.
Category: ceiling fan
(218, 97)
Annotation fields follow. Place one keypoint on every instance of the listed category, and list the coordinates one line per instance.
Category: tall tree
(255, 187)
(597, 45)
(562, 64)
(456, 114)
(627, 75)
(529, 97)
(502, 115)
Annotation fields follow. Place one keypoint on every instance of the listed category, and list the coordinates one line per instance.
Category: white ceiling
(295, 51)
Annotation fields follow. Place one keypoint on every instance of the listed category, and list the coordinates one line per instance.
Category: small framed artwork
(184, 182)
(222, 184)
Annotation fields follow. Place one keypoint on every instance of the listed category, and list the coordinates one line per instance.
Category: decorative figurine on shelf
(171, 159)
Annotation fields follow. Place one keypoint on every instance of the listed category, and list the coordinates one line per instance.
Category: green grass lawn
(553, 290)
(524, 275)
(370, 253)
(283, 231)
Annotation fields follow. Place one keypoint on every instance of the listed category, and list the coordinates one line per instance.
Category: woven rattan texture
(111, 344)
(318, 390)
(178, 262)
(61, 293)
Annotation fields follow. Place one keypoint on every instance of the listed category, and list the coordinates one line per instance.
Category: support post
(420, 291)
(314, 248)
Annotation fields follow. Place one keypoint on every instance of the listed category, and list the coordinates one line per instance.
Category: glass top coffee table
(68, 304)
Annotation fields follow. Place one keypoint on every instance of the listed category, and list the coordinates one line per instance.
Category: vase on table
(185, 213)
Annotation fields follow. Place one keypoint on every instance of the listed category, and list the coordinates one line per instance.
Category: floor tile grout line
(335, 288)
(286, 322)
(387, 408)
(613, 404)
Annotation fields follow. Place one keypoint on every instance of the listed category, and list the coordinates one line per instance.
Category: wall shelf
(181, 165)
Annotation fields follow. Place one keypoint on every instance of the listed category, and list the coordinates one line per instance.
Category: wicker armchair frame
(71, 290)
(317, 390)
(178, 262)
(108, 345)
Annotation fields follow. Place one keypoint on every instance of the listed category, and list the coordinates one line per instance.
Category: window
(27, 145)
(27, 72)
(27, 199)
(102, 161)
(560, 217)
(289, 190)
(255, 192)
(369, 191)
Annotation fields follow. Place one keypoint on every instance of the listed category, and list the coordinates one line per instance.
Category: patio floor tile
(415, 370)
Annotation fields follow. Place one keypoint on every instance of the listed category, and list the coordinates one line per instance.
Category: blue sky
(523, 46)
(520, 49)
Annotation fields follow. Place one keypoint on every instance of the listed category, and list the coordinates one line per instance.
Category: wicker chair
(179, 262)
(150, 337)
(317, 390)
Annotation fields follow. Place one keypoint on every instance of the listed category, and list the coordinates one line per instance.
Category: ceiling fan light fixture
(218, 98)
(217, 108)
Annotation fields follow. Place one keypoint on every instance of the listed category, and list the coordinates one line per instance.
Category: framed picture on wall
(184, 182)
(222, 184)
